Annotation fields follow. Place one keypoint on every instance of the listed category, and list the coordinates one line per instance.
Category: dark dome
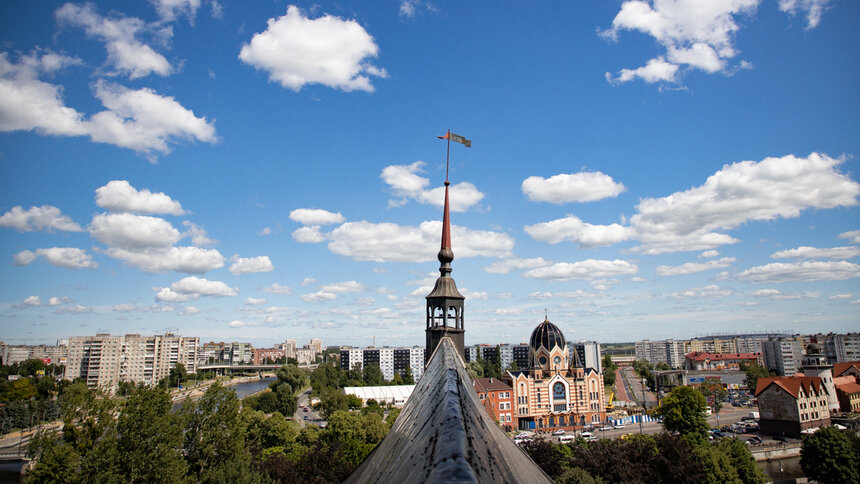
(813, 349)
(546, 335)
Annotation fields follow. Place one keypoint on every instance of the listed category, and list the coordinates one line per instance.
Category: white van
(563, 439)
(586, 435)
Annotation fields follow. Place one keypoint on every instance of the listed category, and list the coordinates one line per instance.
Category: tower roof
(445, 286)
(547, 335)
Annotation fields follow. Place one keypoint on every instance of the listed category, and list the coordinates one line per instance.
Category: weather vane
(457, 138)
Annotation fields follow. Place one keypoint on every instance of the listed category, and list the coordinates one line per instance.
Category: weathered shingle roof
(791, 384)
(443, 434)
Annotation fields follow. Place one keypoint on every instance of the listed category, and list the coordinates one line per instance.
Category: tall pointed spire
(446, 255)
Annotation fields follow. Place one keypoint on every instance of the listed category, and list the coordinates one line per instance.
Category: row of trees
(283, 397)
(328, 380)
(138, 439)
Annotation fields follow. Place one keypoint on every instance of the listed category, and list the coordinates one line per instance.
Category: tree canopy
(683, 411)
(831, 455)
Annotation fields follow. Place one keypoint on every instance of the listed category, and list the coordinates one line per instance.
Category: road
(304, 412)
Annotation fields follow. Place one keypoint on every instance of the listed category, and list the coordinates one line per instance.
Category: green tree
(742, 460)
(713, 389)
(408, 379)
(294, 376)
(178, 375)
(20, 389)
(827, 456)
(214, 432)
(287, 400)
(475, 369)
(753, 373)
(331, 401)
(56, 460)
(372, 375)
(644, 370)
(609, 368)
(148, 436)
(397, 380)
(31, 367)
(683, 411)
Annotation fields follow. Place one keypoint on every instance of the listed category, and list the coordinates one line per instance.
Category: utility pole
(644, 407)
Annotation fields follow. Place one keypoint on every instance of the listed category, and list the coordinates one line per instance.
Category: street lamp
(644, 408)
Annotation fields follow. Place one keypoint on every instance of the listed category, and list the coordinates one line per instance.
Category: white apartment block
(783, 355)
(390, 360)
(11, 354)
(104, 360)
(666, 351)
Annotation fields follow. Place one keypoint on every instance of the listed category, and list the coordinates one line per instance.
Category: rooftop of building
(702, 356)
(840, 368)
(791, 384)
(490, 385)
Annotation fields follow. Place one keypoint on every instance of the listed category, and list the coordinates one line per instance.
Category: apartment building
(390, 360)
(783, 355)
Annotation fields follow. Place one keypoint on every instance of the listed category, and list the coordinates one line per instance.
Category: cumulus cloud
(255, 301)
(316, 216)
(344, 287)
(120, 34)
(190, 260)
(193, 287)
(389, 242)
(130, 231)
(74, 309)
(406, 184)
(170, 10)
(575, 187)
(120, 196)
(59, 300)
(144, 121)
(709, 254)
(801, 271)
(124, 308)
(140, 119)
(693, 34)
(779, 295)
(296, 50)
(583, 270)
(33, 219)
(573, 229)
(198, 234)
(24, 258)
(804, 252)
(853, 236)
(319, 296)
(276, 288)
(507, 265)
(739, 193)
(68, 257)
(692, 267)
(242, 265)
(702, 292)
(189, 311)
(30, 301)
(813, 9)
(241, 324)
(308, 235)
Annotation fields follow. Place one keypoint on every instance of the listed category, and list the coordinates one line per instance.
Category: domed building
(555, 393)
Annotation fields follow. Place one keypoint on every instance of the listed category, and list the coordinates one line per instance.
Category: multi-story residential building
(305, 356)
(263, 355)
(552, 392)
(390, 360)
(11, 354)
(840, 348)
(497, 397)
(720, 361)
(586, 354)
(289, 347)
(316, 345)
(509, 354)
(667, 351)
(783, 355)
(104, 360)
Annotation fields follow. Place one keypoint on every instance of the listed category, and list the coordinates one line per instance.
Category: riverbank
(199, 388)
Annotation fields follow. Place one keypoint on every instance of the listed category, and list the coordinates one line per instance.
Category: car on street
(606, 427)
(521, 435)
(558, 432)
(755, 439)
(618, 426)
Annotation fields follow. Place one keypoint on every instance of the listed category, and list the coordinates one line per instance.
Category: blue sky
(270, 170)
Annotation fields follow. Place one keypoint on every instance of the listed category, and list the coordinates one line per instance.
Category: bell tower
(445, 303)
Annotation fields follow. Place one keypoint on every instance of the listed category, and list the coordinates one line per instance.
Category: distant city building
(586, 354)
(104, 360)
(12, 354)
(552, 392)
(270, 355)
(667, 351)
(848, 393)
(720, 361)
(390, 360)
(394, 394)
(783, 355)
(815, 365)
(840, 348)
(497, 397)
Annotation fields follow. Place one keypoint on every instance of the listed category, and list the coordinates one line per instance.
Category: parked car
(606, 427)
(618, 426)
(558, 432)
(521, 435)
(755, 439)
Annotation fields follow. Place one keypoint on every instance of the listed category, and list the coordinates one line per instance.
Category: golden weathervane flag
(457, 138)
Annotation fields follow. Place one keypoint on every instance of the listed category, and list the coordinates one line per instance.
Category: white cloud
(74, 309)
(31, 301)
(27, 103)
(801, 271)
(702, 292)
(579, 293)
(408, 185)
(692, 267)
(265, 231)
(124, 308)
(129, 231)
(709, 254)
(841, 296)
(141, 119)
(276, 288)
(144, 121)
(45, 217)
(583, 270)
(507, 265)
(24, 258)
(779, 295)
(853, 236)
(804, 252)
(655, 70)
(319, 296)
(120, 196)
(575, 187)
(190, 260)
(813, 8)
(240, 324)
(316, 216)
(308, 235)
(198, 234)
(345, 287)
(193, 287)
(189, 311)
(696, 34)
(408, 8)
(169, 10)
(120, 34)
(255, 301)
(308, 281)
(739, 193)
(296, 50)
(57, 301)
(248, 265)
(575, 230)
(388, 242)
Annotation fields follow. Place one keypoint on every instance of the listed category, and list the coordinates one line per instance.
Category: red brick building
(261, 354)
(497, 397)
